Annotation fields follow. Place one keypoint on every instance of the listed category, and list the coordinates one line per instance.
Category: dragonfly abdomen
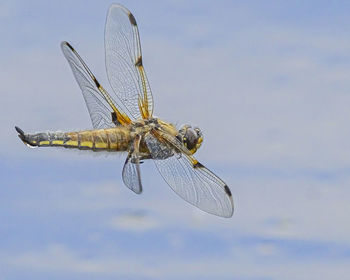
(114, 139)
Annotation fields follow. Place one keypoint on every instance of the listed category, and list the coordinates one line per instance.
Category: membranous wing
(190, 179)
(124, 62)
(131, 170)
(102, 108)
(132, 174)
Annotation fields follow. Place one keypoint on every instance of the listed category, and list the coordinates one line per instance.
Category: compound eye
(190, 139)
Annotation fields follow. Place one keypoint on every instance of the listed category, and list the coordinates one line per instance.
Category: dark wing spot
(69, 46)
(139, 62)
(96, 82)
(227, 190)
(198, 165)
(132, 19)
(115, 119)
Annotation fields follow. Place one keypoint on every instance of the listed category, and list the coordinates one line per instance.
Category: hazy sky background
(268, 83)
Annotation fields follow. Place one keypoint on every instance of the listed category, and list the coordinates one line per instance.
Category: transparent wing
(103, 111)
(191, 180)
(124, 62)
(131, 174)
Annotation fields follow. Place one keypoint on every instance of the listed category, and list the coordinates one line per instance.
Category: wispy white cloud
(59, 258)
(287, 209)
(138, 222)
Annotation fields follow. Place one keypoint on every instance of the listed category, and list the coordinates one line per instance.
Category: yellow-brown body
(116, 139)
(111, 139)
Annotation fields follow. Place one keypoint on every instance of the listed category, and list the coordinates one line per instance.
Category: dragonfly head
(192, 138)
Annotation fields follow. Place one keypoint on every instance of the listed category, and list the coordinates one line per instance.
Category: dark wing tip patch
(138, 62)
(198, 165)
(227, 190)
(132, 19)
(73, 50)
(68, 45)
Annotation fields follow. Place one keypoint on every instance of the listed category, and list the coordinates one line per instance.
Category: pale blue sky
(268, 83)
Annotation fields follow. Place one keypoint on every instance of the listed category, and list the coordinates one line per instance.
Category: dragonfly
(129, 125)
